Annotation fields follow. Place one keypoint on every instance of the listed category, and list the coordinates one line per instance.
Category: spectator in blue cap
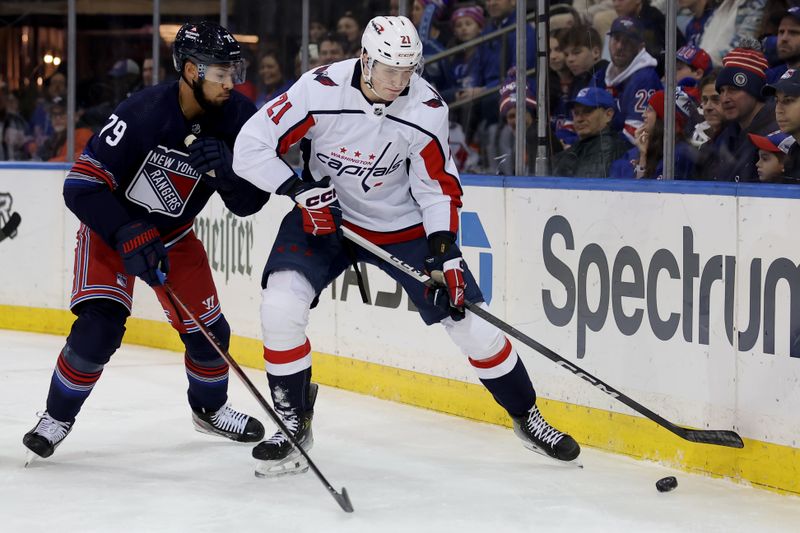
(598, 146)
(631, 77)
(787, 115)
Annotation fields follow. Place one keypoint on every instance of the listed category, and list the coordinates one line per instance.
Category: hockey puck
(666, 484)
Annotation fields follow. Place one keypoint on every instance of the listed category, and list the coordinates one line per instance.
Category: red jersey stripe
(294, 134)
(81, 167)
(435, 165)
(388, 237)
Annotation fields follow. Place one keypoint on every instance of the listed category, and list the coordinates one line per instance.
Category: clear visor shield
(395, 77)
(233, 73)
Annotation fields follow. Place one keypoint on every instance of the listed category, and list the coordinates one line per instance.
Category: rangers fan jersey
(390, 164)
(136, 166)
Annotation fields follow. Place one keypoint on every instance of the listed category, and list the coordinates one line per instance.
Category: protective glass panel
(33, 81)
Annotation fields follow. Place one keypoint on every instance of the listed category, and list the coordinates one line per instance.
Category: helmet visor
(394, 76)
(225, 73)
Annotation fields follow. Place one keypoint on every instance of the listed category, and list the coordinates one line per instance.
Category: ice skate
(229, 423)
(45, 437)
(277, 456)
(539, 436)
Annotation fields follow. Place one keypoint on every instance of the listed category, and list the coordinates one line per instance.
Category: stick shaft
(176, 302)
(719, 437)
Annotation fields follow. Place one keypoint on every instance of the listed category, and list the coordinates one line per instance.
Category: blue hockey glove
(212, 158)
(446, 257)
(322, 214)
(143, 254)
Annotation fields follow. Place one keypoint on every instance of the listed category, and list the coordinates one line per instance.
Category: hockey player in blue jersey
(136, 189)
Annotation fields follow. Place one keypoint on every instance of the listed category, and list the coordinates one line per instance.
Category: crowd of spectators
(737, 94)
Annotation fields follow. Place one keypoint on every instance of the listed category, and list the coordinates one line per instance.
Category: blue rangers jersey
(136, 166)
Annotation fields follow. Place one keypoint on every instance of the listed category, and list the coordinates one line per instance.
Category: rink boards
(685, 298)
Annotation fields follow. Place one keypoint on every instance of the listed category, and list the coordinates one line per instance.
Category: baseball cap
(123, 67)
(776, 142)
(789, 84)
(793, 12)
(630, 26)
(594, 97)
(695, 57)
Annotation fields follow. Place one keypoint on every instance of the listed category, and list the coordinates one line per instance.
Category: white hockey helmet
(392, 41)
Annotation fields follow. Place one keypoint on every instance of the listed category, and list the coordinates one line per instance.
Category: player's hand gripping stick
(446, 266)
(143, 254)
(322, 214)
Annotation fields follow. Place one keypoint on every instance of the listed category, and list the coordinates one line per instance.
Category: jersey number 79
(113, 138)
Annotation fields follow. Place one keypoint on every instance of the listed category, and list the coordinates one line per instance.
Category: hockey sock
(208, 383)
(505, 376)
(289, 375)
(206, 371)
(72, 382)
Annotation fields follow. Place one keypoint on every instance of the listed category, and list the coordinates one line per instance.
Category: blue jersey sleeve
(107, 162)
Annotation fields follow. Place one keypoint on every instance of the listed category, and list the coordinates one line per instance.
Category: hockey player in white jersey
(373, 136)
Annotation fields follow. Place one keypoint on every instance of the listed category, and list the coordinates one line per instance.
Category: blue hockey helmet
(207, 43)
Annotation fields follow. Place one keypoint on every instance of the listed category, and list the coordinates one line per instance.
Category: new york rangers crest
(321, 75)
(164, 182)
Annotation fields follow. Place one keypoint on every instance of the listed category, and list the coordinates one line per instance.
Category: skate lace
(51, 429)
(229, 420)
(292, 422)
(543, 431)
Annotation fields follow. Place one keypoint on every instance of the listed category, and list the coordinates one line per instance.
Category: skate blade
(30, 457)
(290, 466)
(532, 447)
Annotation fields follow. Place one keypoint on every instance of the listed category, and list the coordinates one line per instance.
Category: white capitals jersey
(390, 165)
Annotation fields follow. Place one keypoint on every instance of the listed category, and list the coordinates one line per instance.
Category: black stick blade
(343, 500)
(718, 437)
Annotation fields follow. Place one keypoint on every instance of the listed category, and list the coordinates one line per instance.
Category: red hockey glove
(322, 214)
(446, 257)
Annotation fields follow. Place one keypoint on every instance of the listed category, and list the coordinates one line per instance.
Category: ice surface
(134, 463)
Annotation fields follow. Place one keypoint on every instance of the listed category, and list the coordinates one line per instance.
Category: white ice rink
(134, 463)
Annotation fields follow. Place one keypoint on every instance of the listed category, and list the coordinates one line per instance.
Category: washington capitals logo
(321, 75)
(378, 27)
(434, 102)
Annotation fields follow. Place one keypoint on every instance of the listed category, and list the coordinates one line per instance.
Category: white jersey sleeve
(433, 175)
(269, 134)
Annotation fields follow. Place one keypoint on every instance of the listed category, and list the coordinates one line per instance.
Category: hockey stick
(11, 227)
(704, 436)
(341, 498)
